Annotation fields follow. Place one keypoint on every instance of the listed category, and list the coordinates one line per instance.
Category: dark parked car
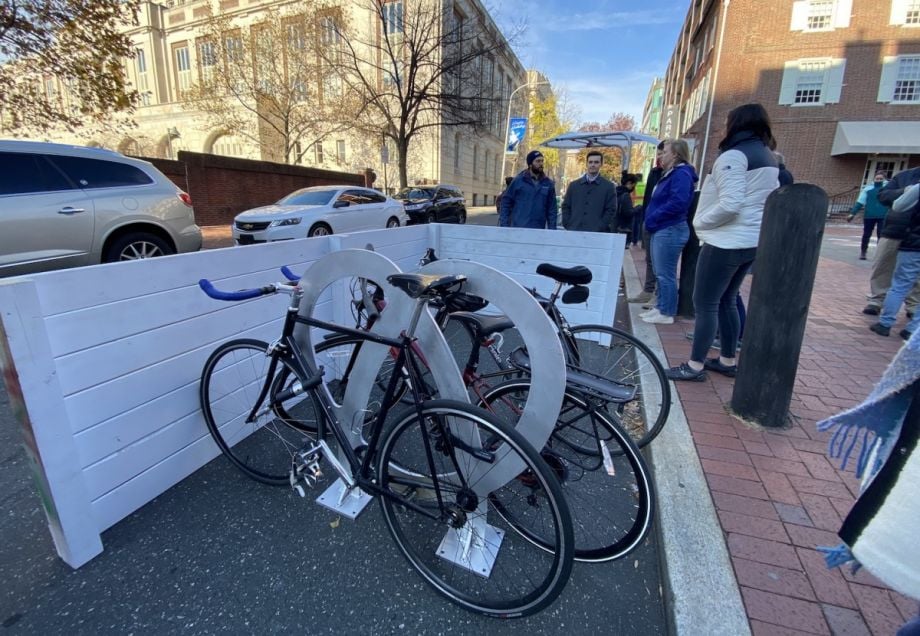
(433, 204)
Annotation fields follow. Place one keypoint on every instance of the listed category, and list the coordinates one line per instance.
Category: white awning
(876, 137)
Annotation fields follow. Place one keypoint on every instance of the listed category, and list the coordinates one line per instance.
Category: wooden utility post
(787, 259)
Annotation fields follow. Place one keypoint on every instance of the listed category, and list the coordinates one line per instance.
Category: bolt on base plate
(348, 503)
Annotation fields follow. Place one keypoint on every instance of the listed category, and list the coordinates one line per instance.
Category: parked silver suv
(64, 206)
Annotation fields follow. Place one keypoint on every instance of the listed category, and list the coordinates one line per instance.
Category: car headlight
(416, 206)
(283, 222)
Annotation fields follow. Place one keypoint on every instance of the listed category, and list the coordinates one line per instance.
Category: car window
(414, 193)
(23, 172)
(455, 193)
(307, 197)
(97, 173)
(376, 197)
(356, 197)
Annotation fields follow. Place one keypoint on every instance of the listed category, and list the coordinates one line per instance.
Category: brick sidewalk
(777, 493)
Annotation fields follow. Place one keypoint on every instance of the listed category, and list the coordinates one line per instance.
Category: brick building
(840, 79)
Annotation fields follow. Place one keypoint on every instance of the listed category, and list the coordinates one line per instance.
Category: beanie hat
(532, 155)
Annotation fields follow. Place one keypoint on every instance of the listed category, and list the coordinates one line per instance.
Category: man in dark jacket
(530, 200)
(907, 266)
(590, 202)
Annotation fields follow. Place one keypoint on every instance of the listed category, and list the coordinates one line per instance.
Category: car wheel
(393, 222)
(461, 216)
(432, 217)
(320, 229)
(135, 245)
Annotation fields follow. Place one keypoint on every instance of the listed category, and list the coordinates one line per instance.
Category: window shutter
(799, 15)
(898, 12)
(889, 76)
(842, 13)
(833, 81)
(790, 76)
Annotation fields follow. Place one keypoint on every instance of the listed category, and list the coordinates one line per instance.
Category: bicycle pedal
(300, 490)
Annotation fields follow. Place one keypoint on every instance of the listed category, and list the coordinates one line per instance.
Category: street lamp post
(508, 118)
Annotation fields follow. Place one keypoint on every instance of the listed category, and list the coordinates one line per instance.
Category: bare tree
(61, 62)
(269, 82)
(421, 66)
(613, 157)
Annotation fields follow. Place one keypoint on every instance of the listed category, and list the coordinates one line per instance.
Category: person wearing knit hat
(530, 200)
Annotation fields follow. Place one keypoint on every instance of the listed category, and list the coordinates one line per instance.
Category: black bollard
(787, 259)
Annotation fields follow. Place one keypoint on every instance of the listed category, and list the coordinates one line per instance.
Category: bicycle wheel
(441, 511)
(610, 495)
(620, 356)
(231, 381)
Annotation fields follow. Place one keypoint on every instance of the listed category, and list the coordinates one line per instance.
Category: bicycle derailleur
(305, 469)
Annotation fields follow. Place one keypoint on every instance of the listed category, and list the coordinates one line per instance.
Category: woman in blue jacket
(666, 221)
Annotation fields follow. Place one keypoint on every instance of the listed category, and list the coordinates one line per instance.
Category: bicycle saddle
(424, 285)
(578, 275)
(485, 325)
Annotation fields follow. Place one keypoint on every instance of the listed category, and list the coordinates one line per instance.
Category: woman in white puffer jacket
(727, 222)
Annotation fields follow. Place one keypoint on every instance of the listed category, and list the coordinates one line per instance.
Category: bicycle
(439, 467)
(599, 466)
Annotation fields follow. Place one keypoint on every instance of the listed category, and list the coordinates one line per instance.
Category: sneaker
(909, 314)
(659, 319)
(872, 310)
(905, 334)
(689, 335)
(717, 345)
(648, 314)
(644, 297)
(684, 372)
(714, 364)
(880, 329)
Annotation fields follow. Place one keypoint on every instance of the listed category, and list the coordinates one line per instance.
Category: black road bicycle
(498, 546)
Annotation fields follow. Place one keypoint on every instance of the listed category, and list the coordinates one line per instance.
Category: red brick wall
(758, 41)
(222, 187)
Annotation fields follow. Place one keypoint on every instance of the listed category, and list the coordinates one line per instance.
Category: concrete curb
(701, 591)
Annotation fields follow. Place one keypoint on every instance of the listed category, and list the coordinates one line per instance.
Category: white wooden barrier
(102, 363)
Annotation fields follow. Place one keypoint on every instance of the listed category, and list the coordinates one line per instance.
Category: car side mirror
(341, 204)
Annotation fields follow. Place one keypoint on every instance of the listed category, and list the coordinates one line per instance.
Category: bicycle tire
(624, 358)
(231, 380)
(611, 514)
(524, 579)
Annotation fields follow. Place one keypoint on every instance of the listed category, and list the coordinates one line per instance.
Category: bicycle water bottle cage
(578, 275)
(425, 285)
(574, 295)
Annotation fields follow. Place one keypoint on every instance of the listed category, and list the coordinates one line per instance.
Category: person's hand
(850, 218)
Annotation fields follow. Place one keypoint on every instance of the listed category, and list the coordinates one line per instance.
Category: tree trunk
(402, 147)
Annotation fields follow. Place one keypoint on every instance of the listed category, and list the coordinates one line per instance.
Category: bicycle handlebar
(289, 274)
(242, 294)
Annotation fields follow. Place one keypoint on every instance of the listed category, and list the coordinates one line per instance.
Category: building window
(318, 152)
(905, 13)
(900, 82)
(457, 153)
(392, 15)
(183, 69)
(821, 15)
(340, 151)
(207, 58)
(475, 160)
(812, 82)
(143, 84)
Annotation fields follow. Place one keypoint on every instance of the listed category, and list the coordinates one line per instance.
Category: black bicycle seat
(578, 275)
(485, 325)
(424, 285)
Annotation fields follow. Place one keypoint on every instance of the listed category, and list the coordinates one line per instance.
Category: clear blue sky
(604, 53)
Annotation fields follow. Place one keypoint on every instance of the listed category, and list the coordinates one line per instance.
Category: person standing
(873, 212)
(498, 199)
(654, 175)
(590, 202)
(728, 223)
(530, 200)
(666, 220)
(625, 210)
(901, 192)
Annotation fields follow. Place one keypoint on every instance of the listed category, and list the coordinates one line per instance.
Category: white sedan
(318, 211)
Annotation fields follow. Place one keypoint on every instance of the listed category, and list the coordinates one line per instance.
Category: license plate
(245, 239)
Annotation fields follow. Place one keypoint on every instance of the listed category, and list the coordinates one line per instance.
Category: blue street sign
(516, 130)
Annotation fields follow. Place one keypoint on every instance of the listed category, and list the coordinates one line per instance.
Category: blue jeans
(906, 273)
(667, 245)
(719, 274)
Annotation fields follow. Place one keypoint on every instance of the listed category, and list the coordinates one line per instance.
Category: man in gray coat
(590, 203)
